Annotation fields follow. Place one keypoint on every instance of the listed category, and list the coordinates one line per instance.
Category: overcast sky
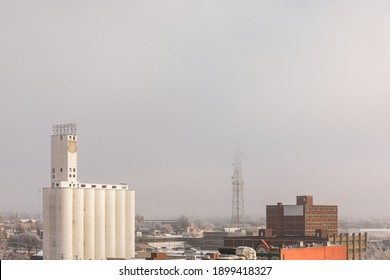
(161, 90)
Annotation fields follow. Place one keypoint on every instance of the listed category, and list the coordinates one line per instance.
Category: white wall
(88, 223)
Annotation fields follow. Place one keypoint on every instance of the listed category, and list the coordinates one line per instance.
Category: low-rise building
(302, 219)
(302, 225)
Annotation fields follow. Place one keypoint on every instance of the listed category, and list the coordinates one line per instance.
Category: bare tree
(203, 225)
(208, 226)
(377, 251)
(167, 228)
(27, 241)
(13, 256)
(183, 223)
(139, 221)
(155, 225)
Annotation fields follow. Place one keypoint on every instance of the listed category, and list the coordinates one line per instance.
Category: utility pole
(238, 192)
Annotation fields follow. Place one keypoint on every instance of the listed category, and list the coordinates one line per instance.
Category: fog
(161, 91)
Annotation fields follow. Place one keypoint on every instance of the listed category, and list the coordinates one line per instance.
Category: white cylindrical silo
(64, 229)
(89, 224)
(130, 226)
(120, 220)
(110, 223)
(47, 225)
(100, 240)
(78, 224)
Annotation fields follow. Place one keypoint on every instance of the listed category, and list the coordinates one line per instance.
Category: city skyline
(161, 90)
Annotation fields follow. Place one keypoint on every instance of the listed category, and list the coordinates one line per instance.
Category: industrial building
(212, 240)
(303, 225)
(83, 220)
(354, 245)
(302, 219)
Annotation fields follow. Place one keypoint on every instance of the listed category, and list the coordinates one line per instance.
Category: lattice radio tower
(238, 192)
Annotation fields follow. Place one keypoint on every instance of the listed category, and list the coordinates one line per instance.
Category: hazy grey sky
(160, 90)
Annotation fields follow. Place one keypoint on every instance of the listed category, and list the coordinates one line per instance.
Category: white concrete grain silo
(82, 220)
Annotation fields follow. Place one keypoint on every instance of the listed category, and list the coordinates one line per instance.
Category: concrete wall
(88, 223)
(63, 160)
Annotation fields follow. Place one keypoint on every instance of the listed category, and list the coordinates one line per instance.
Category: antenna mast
(238, 192)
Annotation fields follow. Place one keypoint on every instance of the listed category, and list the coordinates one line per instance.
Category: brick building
(302, 219)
